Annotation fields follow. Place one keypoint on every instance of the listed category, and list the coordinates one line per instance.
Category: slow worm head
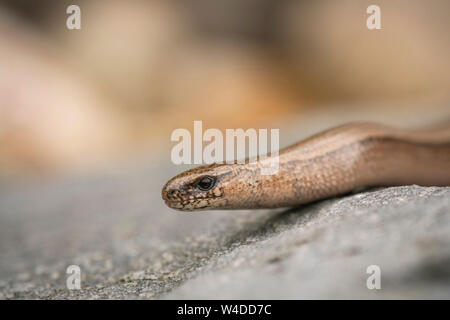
(330, 163)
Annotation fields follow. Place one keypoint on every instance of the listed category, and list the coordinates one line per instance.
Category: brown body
(333, 162)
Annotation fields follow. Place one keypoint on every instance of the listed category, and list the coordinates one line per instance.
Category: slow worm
(331, 163)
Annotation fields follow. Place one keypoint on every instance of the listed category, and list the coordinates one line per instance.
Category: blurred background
(115, 90)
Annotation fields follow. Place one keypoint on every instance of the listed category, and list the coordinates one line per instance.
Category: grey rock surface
(323, 251)
(129, 245)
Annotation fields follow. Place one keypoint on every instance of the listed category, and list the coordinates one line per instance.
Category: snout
(170, 195)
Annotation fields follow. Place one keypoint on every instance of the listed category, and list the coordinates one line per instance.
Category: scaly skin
(331, 163)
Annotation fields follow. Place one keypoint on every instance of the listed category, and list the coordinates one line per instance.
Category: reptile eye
(205, 183)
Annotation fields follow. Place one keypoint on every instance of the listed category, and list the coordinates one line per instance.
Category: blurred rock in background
(139, 69)
(337, 57)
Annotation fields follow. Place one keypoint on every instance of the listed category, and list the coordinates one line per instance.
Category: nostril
(171, 193)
